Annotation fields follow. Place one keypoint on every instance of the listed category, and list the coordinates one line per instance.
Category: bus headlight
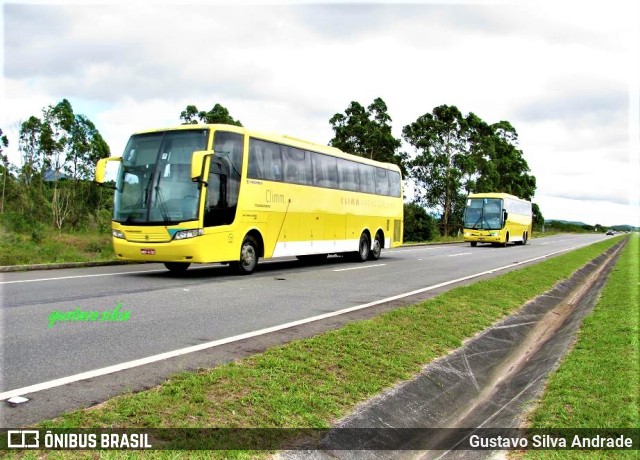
(494, 234)
(184, 234)
(117, 234)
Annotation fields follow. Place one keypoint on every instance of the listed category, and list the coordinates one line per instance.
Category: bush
(418, 225)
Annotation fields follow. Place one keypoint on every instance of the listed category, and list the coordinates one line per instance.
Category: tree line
(53, 187)
(451, 155)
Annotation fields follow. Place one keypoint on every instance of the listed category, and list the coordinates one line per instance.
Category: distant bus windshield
(483, 214)
(154, 181)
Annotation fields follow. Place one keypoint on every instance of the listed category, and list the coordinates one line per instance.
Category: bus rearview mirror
(197, 164)
(101, 168)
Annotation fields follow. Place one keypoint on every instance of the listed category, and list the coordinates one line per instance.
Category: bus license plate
(148, 252)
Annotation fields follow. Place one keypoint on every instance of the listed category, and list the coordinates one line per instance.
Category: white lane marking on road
(413, 250)
(94, 275)
(461, 254)
(358, 268)
(80, 276)
(203, 346)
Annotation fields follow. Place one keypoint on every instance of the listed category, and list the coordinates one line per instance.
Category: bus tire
(177, 267)
(525, 237)
(248, 257)
(473, 243)
(376, 250)
(364, 246)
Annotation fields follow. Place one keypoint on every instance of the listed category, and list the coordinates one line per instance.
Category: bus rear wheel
(376, 250)
(177, 267)
(473, 244)
(363, 248)
(248, 257)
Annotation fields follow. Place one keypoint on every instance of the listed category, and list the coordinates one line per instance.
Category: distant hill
(625, 228)
(568, 224)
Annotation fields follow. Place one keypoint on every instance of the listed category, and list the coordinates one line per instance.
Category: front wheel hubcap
(248, 255)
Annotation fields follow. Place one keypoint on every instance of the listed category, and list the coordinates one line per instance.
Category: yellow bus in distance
(221, 193)
(497, 218)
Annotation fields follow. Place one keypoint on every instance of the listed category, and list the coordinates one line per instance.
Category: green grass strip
(314, 382)
(597, 384)
(53, 247)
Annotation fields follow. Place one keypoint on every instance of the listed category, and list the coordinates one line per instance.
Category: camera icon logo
(23, 439)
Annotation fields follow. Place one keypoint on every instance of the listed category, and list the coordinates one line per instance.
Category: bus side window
(325, 169)
(394, 183)
(224, 179)
(367, 178)
(255, 161)
(297, 166)
(274, 162)
(382, 183)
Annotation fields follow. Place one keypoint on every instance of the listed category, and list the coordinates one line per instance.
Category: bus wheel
(473, 244)
(525, 237)
(248, 257)
(377, 247)
(363, 248)
(177, 267)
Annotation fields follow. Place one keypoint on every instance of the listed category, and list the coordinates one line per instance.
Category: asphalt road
(209, 303)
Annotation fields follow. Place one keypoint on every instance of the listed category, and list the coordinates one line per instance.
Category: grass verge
(597, 383)
(313, 382)
(54, 247)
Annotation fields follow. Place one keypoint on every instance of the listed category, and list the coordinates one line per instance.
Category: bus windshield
(483, 214)
(154, 181)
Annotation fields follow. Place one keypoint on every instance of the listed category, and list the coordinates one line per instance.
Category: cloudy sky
(565, 74)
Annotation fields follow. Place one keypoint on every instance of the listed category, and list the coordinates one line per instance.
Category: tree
(418, 225)
(57, 124)
(64, 142)
(33, 158)
(506, 169)
(4, 143)
(441, 161)
(367, 133)
(61, 204)
(457, 155)
(218, 114)
(86, 147)
(480, 152)
(538, 218)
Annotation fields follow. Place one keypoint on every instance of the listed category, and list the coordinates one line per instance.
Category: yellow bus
(221, 193)
(497, 218)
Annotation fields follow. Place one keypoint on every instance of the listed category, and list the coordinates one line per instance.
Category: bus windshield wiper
(479, 219)
(160, 203)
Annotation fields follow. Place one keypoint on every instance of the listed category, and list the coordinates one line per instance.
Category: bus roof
(278, 138)
(495, 195)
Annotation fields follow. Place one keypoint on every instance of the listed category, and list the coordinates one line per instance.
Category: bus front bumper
(482, 236)
(174, 251)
